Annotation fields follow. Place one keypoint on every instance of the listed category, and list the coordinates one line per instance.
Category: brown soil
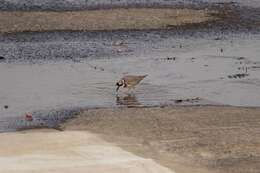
(185, 139)
(110, 19)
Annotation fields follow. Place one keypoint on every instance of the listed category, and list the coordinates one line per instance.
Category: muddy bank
(201, 139)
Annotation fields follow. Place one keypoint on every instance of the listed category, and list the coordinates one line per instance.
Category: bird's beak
(118, 86)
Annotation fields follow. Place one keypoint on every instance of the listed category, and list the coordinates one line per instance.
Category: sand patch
(110, 19)
(68, 152)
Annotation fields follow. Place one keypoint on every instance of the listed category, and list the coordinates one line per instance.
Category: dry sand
(49, 151)
(110, 19)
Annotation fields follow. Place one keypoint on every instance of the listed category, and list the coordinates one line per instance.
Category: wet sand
(185, 139)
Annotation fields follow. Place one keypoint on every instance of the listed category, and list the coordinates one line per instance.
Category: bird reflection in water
(128, 100)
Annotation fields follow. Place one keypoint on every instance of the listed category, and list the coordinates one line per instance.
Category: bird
(129, 81)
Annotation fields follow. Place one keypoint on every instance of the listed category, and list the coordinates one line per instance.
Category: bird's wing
(133, 80)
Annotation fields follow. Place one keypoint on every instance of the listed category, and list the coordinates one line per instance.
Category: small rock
(255, 67)
(240, 58)
(217, 38)
(2, 58)
(28, 117)
(6, 106)
(171, 58)
(119, 50)
(118, 43)
(179, 101)
(162, 106)
(192, 59)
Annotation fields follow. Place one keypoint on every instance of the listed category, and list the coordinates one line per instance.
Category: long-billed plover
(129, 81)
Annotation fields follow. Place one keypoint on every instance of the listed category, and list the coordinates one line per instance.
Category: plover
(129, 81)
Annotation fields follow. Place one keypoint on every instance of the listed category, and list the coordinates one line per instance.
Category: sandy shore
(110, 19)
(177, 139)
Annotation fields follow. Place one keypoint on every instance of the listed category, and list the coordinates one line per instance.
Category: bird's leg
(131, 90)
(132, 93)
(128, 90)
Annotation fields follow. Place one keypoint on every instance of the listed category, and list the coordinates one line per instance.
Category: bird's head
(120, 83)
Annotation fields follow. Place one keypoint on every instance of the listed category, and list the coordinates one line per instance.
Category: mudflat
(185, 139)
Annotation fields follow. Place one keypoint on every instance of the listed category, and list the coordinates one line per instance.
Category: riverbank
(182, 139)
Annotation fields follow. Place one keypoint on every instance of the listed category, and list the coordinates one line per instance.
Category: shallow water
(217, 70)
